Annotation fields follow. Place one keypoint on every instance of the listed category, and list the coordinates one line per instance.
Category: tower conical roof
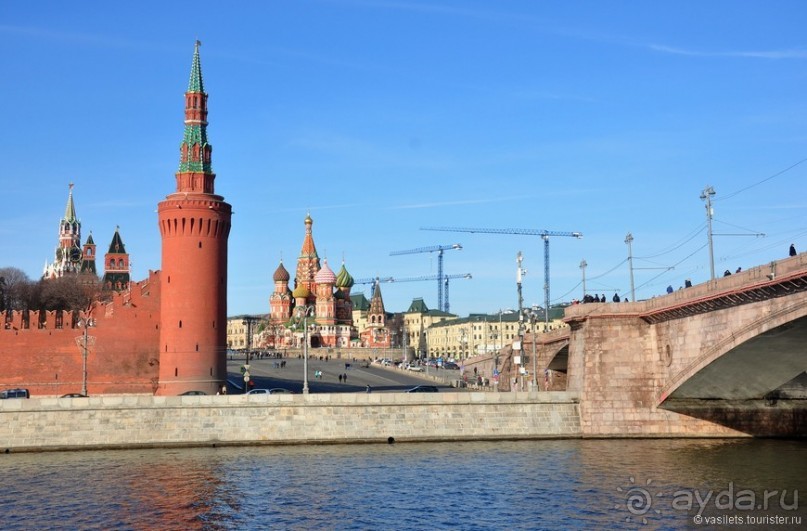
(70, 210)
(195, 150)
(196, 84)
(309, 250)
(377, 302)
(116, 245)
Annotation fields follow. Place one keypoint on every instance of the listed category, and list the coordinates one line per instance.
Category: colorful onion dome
(281, 275)
(325, 275)
(301, 292)
(343, 278)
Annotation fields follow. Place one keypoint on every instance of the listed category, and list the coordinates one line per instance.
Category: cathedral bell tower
(194, 225)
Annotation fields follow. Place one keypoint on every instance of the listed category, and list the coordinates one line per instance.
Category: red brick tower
(194, 225)
(116, 265)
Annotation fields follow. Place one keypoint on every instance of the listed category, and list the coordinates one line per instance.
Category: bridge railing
(770, 273)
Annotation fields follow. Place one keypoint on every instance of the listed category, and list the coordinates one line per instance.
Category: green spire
(195, 148)
(70, 211)
(196, 84)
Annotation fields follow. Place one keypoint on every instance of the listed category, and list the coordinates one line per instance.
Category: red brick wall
(123, 359)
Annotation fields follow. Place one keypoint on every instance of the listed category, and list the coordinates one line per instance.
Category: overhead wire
(689, 237)
(777, 174)
(607, 272)
(673, 266)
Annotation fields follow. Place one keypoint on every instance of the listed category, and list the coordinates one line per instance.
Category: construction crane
(439, 250)
(372, 281)
(446, 278)
(544, 234)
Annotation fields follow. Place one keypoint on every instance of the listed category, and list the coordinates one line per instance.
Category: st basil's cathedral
(324, 297)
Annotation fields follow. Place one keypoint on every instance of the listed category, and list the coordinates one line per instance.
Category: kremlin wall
(121, 346)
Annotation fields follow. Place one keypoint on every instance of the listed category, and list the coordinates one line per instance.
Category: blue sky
(382, 117)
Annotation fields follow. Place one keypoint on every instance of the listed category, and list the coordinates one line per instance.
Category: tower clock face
(75, 254)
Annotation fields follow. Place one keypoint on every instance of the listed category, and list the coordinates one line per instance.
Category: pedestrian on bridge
(792, 249)
(340, 378)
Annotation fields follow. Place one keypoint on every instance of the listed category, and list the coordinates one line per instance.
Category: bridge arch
(784, 326)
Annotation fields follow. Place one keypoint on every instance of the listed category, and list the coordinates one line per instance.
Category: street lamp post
(84, 341)
(403, 345)
(305, 311)
(533, 316)
(84, 366)
(463, 346)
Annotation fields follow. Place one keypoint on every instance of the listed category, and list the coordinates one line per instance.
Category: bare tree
(13, 288)
(70, 292)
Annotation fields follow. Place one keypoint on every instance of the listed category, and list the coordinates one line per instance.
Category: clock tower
(69, 253)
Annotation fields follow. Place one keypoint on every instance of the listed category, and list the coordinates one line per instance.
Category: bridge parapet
(776, 279)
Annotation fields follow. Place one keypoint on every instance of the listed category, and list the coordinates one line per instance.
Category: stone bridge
(726, 357)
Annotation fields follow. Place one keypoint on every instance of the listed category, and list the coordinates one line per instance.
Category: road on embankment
(267, 374)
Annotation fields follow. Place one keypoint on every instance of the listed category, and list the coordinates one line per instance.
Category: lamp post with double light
(84, 341)
(304, 312)
(532, 315)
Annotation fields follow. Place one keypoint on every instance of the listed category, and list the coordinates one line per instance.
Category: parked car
(258, 392)
(73, 395)
(451, 366)
(192, 393)
(424, 389)
(15, 393)
(414, 368)
(280, 391)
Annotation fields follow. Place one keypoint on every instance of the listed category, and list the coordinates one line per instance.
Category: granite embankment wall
(131, 421)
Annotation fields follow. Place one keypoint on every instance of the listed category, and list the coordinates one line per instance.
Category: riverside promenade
(143, 421)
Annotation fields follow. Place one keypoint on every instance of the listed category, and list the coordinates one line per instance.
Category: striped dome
(325, 275)
(343, 278)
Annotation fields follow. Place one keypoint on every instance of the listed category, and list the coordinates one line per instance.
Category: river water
(550, 484)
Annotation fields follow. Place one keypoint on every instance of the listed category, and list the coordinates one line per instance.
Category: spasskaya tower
(194, 225)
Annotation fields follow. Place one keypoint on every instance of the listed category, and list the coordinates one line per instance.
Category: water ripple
(469, 486)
